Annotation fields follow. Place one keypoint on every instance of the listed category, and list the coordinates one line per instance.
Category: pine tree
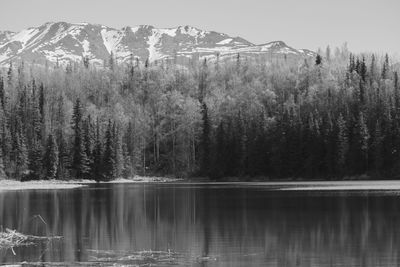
(3, 174)
(41, 102)
(118, 152)
(377, 148)
(108, 160)
(3, 145)
(80, 163)
(10, 75)
(35, 161)
(318, 60)
(342, 144)
(51, 160)
(362, 139)
(127, 171)
(385, 67)
(64, 163)
(21, 156)
(97, 169)
(88, 142)
(219, 169)
(2, 92)
(111, 61)
(372, 70)
(396, 92)
(86, 61)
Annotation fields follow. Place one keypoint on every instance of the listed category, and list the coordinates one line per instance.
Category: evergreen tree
(118, 152)
(86, 61)
(2, 92)
(396, 92)
(35, 161)
(88, 142)
(385, 67)
(372, 70)
(51, 160)
(111, 61)
(64, 163)
(108, 160)
(10, 75)
(97, 168)
(220, 154)
(127, 171)
(3, 174)
(342, 144)
(3, 145)
(318, 60)
(80, 162)
(362, 140)
(21, 156)
(377, 148)
(41, 102)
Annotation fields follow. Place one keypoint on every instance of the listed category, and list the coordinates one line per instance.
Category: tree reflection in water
(205, 225)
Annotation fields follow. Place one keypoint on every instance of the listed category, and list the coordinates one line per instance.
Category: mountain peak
(64, 42)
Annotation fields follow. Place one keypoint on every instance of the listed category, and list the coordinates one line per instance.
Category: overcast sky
(367, 25)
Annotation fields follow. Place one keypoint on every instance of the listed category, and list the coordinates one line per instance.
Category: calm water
(205, 225)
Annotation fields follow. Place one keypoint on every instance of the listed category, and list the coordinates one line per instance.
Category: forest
(329, 117)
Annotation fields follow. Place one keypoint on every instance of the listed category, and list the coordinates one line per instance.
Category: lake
(187, 224)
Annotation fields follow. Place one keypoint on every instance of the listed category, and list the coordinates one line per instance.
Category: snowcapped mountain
(64, 42)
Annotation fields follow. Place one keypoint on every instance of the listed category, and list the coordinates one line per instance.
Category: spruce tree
(3, 174)
(219, 169)
(80, 163)
(88, 142)
(35, 161)
(97, 169)
(51, 160)
(108, 160)
(362, 141)
(318, 60)
(342, 144)
(377, 146)
(2, 92)
(64, 162)
(385, 67)
(118, 152)
(10, 75)
(21, 156)
(127, 171)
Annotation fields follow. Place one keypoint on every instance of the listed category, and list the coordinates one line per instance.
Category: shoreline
(14, 185)
(286, 185)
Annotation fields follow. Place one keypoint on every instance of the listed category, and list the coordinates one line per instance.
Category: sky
(366, 25)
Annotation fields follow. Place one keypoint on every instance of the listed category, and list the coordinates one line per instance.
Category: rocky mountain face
(63, 42)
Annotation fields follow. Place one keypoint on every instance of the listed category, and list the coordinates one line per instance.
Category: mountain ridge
(63, 42)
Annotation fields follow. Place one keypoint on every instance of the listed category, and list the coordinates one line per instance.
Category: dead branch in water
(9, 239)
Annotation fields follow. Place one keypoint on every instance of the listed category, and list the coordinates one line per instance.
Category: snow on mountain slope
(64, 42)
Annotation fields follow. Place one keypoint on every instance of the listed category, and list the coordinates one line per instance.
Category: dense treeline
(328, 117)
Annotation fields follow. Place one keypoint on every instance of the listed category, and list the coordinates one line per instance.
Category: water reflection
(206, 225)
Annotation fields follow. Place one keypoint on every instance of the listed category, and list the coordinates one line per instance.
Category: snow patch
(226, 41)
(170, 32)
(152, 41)
(111, 39)
(190, 31)
(86, 48)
